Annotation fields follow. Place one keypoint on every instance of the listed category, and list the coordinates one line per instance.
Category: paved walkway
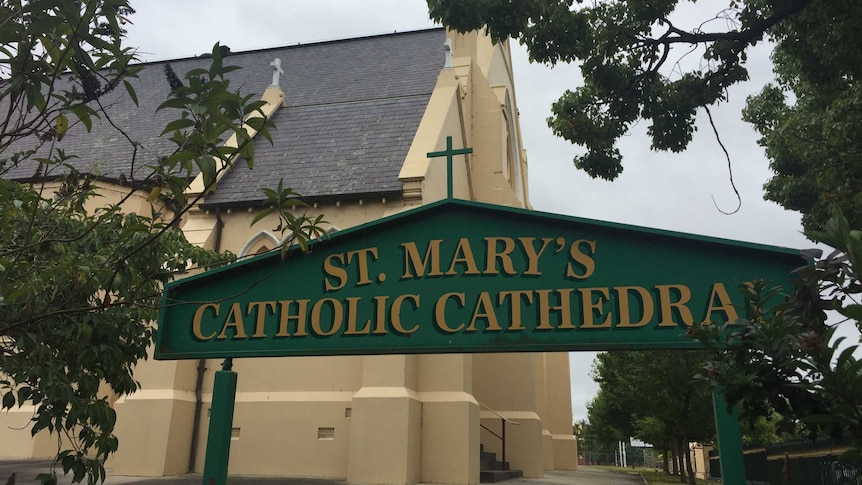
(26, 471)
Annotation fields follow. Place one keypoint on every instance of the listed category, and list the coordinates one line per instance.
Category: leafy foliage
(651, 395)
(80, 275)
(624, 49)
(638, 64)
(783, 356)
(813, 138)
(80, 293)
(301, 228)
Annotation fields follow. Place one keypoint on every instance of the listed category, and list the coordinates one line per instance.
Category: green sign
(459, 276)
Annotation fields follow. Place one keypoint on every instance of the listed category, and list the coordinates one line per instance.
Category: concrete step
(494, 476)
(492, 471)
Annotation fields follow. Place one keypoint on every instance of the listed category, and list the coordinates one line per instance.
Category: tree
(813, 143)
(652, 395)
(782, 356)
(811, 127)
(633, 57)
(80, 278)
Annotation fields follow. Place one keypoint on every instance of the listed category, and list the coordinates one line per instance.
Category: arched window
(259, 244)
(265, 241)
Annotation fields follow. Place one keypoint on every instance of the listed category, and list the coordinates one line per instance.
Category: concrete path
(26, 471)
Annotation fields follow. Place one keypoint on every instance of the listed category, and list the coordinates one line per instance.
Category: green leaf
(131, 90)
(247, 153)
(179, 124)
(175, 102)
(61, 124)
(207, 166)
(8, 400)
(853, 311)
(84, 114)
(216, 66)
(262, 214)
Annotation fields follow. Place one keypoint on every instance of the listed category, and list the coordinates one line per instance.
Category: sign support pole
(729, 440)
(221, 425)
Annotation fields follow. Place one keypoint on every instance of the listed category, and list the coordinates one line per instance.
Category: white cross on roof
(276, 71)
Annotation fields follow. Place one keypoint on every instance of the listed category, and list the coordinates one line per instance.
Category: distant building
(355, 119)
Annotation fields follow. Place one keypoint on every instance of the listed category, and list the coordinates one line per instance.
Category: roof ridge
(293, 46)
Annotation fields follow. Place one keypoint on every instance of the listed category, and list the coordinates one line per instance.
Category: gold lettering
(334, 271)
(586, 261)
(352, 304)
(260, 307)
(440, 312)
(380, 317)
(299, 317)
(463, 255)
(515, 298)
(362, 256)
(726, 306)
(667, 305)
(647, 306)
(196, 321)
(591, 307)
(564, 308)
(533, 255)
(337, 317)
(411, 258)
(234, 320)
(504, 255)
(484, 309)
(395, 313)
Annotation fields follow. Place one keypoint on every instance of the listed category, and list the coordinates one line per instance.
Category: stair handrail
(504, 418)
(503, 421)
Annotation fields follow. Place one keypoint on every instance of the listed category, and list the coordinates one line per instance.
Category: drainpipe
(201, 369)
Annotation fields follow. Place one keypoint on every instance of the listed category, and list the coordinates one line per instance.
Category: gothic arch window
(259, 244)
(265, 241)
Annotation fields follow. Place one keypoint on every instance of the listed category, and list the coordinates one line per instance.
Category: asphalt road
(26, 471)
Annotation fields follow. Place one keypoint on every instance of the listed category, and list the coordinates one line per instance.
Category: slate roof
(352, 109)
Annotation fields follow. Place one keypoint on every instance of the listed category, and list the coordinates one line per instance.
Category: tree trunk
(666, 460)
(681, 448)
(688, 467)
(675, 462)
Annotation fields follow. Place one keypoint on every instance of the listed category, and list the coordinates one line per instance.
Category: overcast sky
(678, 192)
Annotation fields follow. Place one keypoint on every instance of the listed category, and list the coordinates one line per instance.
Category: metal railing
(502, 435)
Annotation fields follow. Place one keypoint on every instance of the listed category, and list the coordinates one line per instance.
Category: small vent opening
(326, 433)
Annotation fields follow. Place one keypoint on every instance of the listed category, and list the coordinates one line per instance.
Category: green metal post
(729, 441)
(221, 425)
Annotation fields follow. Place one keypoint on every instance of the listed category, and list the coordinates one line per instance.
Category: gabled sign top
(459, 276)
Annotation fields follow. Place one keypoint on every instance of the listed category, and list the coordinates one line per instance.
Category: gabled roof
(352, 109)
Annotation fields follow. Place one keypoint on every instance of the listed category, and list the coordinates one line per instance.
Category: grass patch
(661, 478)
(653, 477)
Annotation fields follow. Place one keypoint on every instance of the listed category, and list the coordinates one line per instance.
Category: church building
(355, 120)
